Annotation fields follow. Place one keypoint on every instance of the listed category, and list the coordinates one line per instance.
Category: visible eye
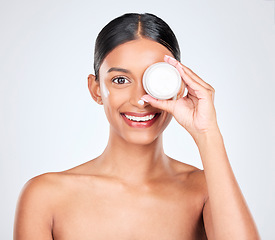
(119, 80)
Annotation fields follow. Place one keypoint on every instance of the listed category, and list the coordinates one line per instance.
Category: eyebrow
(116, 69)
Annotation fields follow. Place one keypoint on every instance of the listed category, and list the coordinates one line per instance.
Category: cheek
(113, 105)
(104, 90)
(115, 96)
(115, 99)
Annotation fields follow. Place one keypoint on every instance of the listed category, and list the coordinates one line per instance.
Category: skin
(133, 190)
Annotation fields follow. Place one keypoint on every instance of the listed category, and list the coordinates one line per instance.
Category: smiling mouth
(140, 120)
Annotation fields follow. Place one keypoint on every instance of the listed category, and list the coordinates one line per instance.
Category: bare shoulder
(35, 206)
(41, 184)
(191, 176)
(39, 192)
(46, 187)
(184, 168)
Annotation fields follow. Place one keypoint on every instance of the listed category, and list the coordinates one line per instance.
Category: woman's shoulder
(186, 169)
(35, 206)
(39, 200)
(50, 181)
(44, 181)
(190, 175)
(40, 188)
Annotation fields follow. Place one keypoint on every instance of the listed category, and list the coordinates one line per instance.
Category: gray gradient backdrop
(49, 122)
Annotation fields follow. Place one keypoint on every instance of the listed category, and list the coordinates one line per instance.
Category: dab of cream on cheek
(105, 91)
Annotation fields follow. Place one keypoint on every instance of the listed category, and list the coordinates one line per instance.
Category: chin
(141, 139)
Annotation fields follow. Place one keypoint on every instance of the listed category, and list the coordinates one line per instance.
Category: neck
(132, 162)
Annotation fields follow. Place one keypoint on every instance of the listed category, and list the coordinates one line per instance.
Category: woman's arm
(226, 214)
(33, 217)
(229, 217)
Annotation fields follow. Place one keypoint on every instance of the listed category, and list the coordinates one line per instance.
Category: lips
(141, 124)
(139, 114)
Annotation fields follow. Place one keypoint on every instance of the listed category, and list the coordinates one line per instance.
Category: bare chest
(113, 213)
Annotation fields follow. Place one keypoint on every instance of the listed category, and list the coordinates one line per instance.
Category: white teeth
(140, 119)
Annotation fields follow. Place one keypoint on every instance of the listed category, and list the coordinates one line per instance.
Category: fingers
(191, 84)
(174, 62)
(166, 105)
(196, 77)
(171, 60)
(189, 77)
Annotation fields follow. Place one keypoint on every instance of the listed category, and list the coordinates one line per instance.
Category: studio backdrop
(50, 123)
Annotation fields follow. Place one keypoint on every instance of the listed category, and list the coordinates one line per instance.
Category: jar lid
(161, 80)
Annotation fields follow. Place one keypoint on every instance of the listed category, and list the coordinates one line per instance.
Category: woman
(133, 190)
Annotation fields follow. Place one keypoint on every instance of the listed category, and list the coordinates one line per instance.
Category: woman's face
(121, 88)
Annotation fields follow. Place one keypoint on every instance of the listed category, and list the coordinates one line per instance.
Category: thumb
(166, 105)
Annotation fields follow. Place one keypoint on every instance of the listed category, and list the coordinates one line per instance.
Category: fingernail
(171, 57)
(179, 65)
(145, 100)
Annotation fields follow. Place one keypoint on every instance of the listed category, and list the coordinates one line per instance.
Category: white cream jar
(162, 81)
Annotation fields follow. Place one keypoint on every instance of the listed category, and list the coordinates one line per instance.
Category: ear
(181, 91)
(94, 88)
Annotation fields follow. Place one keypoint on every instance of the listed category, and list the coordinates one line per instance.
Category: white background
(49, 122)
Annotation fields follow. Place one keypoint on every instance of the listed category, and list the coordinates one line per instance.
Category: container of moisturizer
(162, 81)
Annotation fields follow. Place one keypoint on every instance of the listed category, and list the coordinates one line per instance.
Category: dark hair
(129, 27)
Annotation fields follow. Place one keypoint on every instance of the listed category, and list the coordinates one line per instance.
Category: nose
(137, 92)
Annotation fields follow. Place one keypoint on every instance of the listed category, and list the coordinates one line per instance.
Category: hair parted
(132, 26)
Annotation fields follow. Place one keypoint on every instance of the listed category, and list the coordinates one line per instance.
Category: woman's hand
(196, 111)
